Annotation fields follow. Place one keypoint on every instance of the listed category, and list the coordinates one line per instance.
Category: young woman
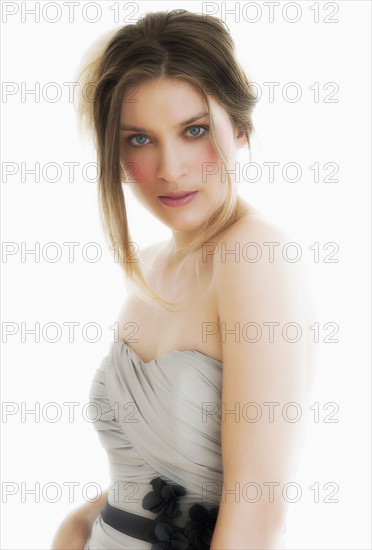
(193, 389)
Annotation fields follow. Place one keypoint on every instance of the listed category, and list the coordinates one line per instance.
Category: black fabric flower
(168, 537)
(197, 533)
(199, 530)
(163, 500)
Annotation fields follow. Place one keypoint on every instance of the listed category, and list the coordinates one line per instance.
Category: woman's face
(166, 149)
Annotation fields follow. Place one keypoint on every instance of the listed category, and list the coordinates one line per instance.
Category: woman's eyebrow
(184, 123)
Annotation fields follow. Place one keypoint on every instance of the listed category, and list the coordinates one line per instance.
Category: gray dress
(156, 419)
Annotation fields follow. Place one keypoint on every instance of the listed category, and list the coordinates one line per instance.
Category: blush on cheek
(207, 161)
(137, 172)
(210, 154)
(143, 174)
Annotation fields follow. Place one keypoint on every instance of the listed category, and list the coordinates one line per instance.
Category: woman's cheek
(210, 154)
(143, 173)
(207, 160)
(138, 170)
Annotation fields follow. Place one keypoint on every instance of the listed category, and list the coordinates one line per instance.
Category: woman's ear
(240, 138)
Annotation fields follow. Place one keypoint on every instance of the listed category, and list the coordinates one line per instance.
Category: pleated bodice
(157, 419)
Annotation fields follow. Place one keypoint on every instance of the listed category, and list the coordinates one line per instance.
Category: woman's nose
(171, 164)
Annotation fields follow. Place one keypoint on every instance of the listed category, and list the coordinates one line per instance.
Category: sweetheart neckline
(131, 350)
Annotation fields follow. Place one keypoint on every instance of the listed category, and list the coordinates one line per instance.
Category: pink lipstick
(178, 199)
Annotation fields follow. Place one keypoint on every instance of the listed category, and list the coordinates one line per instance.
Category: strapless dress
(156, 419)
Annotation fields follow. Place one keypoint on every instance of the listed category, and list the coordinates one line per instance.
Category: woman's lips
(178, 200)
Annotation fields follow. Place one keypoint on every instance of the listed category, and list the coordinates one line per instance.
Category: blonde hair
(174, 44)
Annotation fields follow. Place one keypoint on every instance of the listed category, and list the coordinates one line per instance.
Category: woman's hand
(72, 534)
(76, 528)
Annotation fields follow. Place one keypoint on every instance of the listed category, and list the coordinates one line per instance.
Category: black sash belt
(130, 524)
(161, 531)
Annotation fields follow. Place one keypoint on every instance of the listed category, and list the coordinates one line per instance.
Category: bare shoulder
(252, 238)
(252, 225)
(255, 260)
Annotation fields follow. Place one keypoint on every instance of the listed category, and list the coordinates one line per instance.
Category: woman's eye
(197, 131)
(137, 140)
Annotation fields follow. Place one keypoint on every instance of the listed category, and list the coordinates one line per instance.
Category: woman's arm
(264, 370)
(75, 529)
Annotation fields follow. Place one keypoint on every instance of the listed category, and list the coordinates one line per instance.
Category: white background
(40, 451)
